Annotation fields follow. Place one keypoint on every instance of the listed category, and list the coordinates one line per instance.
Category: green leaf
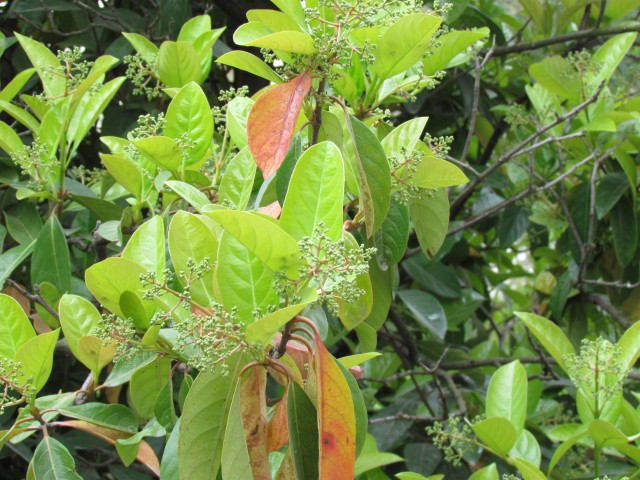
(359, 410)
(249, 63)
(194, 28)
(391, 239)
(266, 240)
(514, 222)
(405, 136)
(190, 238)
(12, 258)
(373, 172)
(609, 56)
(427, 311)
(12, 88)
(43, 59)
(293, 8)
(169, 465)
(262, 330)
(125, 172)
(189, 115)
(191, 194)
(433, 172)
(52, 461)
(487, 473)
(109, 279)
(303, 432)
(21, 115)
(609, 191)
(94, 354)
(79, 318)
(404, 43)
(237, 182)
(528, 471)
(15, 327)
(178, 63)
(204, 417)
(549, 335)
(124, 370)
(359, 358)
(244, 281)
(104, 210)
(147, 50)
(370, 461)
(163, 151)
(450, 49)
(235, 461)
(315, 193)
(629, 344)
(113, 416)
(146, 246)
(276, 21)
(146, 383)
(283, 174)
(23, 222)
(555, 74)
(507, 394)
(36, 357)
(527, 448)
(497, 433)
(164, 407)
(624, 224)
(237, 115)
(256, 34)
(430, 217)
(9, 140)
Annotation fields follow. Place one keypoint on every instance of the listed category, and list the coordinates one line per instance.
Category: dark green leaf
(624, 224)
(52, 461)
(303, 432)
(609, 190)
(427, 311)
(514, 221)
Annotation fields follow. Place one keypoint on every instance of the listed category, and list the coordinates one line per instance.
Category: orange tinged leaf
(273, 209)
(272, 122)
(278, 429)
(146, 455)
(253, 408)
(336, 418)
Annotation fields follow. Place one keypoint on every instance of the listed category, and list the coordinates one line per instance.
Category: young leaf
(497, 433)
(237, 183)
(303, 432)
(249, 63)
(52, 461)
(237, 114)
(549, 335)
(430, 217)
(404, 43)
(487, 473)
(373, 172)
(204, 417)
(507, 394)
(257, 34)
(272, 121)
(336, 418)
(243, 280)
(50, 261)
(178, 63)
(189, 238)
(315, 193)
(147, 50)
(15, 327)
(189, 115)
(265, 239)
(146, 246)
(36, 357)
(43, 59)
(191, 194)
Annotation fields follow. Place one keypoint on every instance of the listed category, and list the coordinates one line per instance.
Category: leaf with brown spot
(336, 417)
(253, 408)
(277, 428)
(272, 121)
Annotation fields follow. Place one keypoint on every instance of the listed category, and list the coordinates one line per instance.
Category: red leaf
(272, 122)
(273, 209)
(336, 417)
(278, 429)
(253, 408)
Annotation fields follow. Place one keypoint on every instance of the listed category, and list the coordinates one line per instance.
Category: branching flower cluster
(37, 162)
(14, 392)
(453, 438)
(72, 69)
(144, 76)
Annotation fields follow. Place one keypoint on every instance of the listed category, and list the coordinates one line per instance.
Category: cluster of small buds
(72, 68)
(597, 370)
(112, 327)
(14, 392)
(403, 169)
(332, 268)
(452, 437)
(440, 146)
(210, 338)
(85, 175)
(148, 126)
(37, 162)
(144, 76)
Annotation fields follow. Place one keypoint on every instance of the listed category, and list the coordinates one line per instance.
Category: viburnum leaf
(272, 121)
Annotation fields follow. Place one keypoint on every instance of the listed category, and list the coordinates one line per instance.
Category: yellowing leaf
(253, 408)
(272, 121)
(336, 417)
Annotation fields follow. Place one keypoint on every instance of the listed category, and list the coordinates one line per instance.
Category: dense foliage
(352, 239)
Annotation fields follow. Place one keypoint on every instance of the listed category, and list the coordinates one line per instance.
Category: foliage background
(568, 251)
